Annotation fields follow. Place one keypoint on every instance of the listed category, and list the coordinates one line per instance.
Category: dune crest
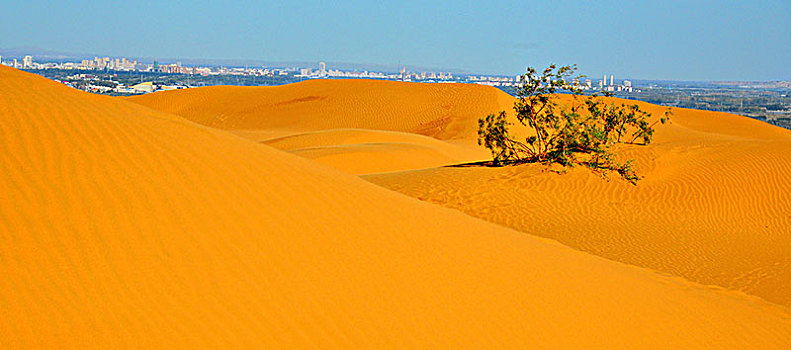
(124, 227)
(325, 111)
(441, 111)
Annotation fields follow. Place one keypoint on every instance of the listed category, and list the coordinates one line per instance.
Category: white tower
(604, 80)
(322, 68)
(27, 62)
(612, 78)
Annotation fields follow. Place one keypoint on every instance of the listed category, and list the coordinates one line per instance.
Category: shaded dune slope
(125, 227)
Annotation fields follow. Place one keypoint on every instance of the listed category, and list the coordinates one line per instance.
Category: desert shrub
(581, 133)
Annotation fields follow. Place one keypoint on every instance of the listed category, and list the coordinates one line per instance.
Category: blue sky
(678, 40)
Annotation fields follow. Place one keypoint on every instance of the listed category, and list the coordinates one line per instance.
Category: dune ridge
(441, 111)
(319, 112)
(125, 227)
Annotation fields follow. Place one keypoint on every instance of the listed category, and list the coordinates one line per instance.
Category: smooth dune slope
(124, 227)
(365, 151)
(714, 206)
(441, 111)
(381, 109)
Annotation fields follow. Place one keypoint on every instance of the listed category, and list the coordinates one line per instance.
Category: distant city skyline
(84, 74)
(62, 61)
(45, 55)
(662, 40)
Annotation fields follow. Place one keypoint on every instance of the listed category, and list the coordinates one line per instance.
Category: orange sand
(714, 206)
(442, 111)
(365, 151)
(385, 116)
(125, 227)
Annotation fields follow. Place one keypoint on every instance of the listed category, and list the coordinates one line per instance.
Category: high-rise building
(605, 79)
(322, 68)
(27, 62)
(99, 63)
(612, 79)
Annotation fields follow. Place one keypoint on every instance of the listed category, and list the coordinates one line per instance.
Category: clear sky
(678, 40)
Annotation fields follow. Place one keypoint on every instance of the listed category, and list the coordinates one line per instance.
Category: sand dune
(441, 111)
(125, 227)
(365, 151)
(714, 207)
(320, 113)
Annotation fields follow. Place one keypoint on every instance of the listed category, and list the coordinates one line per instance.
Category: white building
(27, 62)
